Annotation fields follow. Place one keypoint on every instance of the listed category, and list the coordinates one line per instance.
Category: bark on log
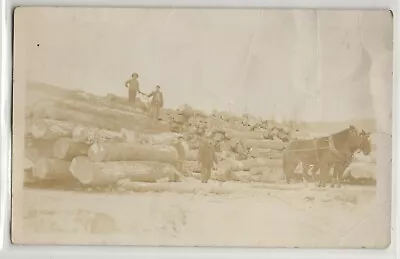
(101, 152)
(51, 169)
(51, 129)
(67, 149)
(109, 173)
(95, 135)
(265, 144)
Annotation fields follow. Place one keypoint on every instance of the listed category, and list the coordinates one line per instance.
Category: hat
(135, 74)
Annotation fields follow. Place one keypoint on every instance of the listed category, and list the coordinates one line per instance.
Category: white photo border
(8, 250)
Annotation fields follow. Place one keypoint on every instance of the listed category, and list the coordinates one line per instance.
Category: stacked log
(51, 169)
(109, 173)
(96, 135)
(102, 152)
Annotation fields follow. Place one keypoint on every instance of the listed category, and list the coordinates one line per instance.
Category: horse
(340, 166)
(325, 152)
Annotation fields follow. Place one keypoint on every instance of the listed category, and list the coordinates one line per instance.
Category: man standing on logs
(207, 159)
(157, 102)
(133, 86)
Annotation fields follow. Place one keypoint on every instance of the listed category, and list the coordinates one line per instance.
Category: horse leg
(306, 169)
(340, 176)
(334, 175)
(324, 171)
(314, 172)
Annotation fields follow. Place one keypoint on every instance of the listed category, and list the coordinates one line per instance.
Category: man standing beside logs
(157, 102)
(133, 86)
(182, 148)
(207, 159)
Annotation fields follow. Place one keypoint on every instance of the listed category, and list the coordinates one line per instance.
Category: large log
(51, 129)
(37, 148)
(96, 135)
(100, 152)
(67, 149)
(86, 107)
(101, 102)
(246, 165)
(109, 173)
(265, 144)
(51, 169)
(62, 114)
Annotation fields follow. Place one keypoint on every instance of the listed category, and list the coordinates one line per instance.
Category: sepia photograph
(196, 127)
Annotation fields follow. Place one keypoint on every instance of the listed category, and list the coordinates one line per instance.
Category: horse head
(365, 142)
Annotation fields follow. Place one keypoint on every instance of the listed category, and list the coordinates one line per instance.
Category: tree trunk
(265, 144)
(51, 169)
(67, 149)
(51, 129)
(95, 135)
(109, 173)
(101, 152)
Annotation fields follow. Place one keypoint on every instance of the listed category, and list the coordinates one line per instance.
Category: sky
(287, 64)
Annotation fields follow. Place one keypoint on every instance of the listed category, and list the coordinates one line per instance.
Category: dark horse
(324, 153)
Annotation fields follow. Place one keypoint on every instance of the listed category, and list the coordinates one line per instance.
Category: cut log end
(61, 147)
(82, 170)
(78, 134)
(39, 130)
(96, 153)
(41, 169)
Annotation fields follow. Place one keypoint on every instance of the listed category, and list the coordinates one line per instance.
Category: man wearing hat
(157, 102)
(133, 86)
(182, 148)
(206, 158)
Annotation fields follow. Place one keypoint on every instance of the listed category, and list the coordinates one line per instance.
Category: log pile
(101, 141)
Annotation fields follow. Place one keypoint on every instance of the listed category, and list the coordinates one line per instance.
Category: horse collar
(332, 146)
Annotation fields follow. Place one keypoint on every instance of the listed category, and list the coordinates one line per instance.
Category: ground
(267, 215)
